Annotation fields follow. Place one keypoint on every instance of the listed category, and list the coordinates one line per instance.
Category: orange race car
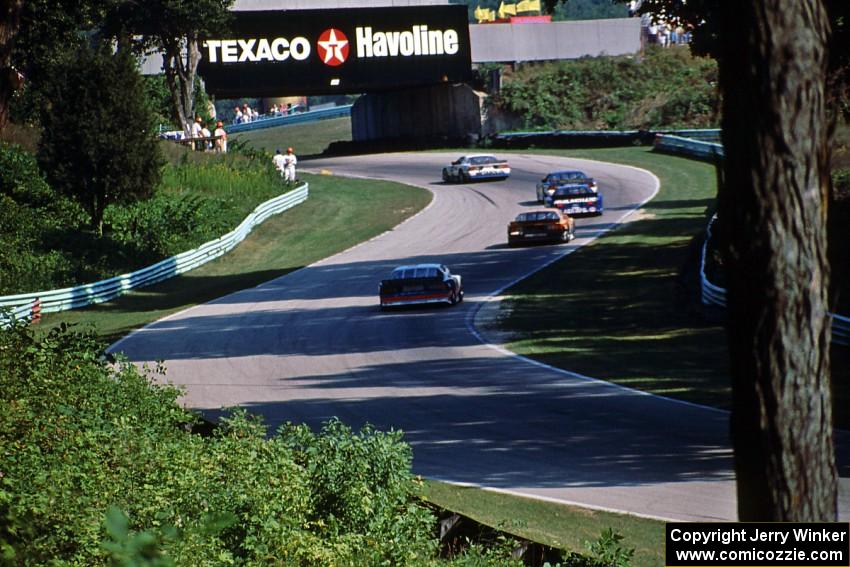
(546, 224)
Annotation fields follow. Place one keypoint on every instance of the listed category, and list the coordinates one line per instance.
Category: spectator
(653, 33)
(663, 35)
(680, 34)
(279, 161)
(197, 127)
(247, 113)
(289, 161)
(237, 118)
(205, 133)
(221, 138)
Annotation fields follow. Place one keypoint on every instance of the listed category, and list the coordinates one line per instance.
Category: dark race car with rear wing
(421, 284)
(578, 199)
(545, 225)
(548, 184)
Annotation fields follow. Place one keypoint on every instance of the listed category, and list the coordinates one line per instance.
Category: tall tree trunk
(180, 75)
(10, 23)
(772, 206)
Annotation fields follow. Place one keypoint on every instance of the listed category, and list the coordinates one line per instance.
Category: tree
(588, 10)
(773, 69)
(772, 209)
(47, 30)
(10, 79)
(174, 28)
(98, 143)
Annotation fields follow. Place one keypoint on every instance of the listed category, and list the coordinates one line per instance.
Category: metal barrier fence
(20, 307)
(679, 145)
(602, 138)
(712, 294)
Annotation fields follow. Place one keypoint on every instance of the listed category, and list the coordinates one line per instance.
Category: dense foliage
(107, 154)
(31, 213)
(45, 243)
(667, 88)
(80, 436)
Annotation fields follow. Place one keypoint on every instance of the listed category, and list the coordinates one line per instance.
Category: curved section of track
(313, 344)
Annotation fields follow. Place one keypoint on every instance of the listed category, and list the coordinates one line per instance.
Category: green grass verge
(351, 211)
(625, 308)
(620, 308)
(307, 139)
(557, 525)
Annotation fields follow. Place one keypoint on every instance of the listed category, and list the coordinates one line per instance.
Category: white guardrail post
(21, 307)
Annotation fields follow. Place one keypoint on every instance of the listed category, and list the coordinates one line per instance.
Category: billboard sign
(276, 53)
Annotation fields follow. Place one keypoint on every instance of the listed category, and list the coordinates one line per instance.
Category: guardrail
(712, 294)
(598, 138)
(20, 306)
(701, 134)
(679, 145)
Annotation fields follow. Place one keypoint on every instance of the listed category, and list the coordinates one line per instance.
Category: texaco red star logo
(333, 47)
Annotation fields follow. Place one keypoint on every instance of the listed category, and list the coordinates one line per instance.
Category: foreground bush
(83, 441)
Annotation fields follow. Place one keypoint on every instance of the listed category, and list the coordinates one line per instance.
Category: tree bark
(772, 210)
(10, 23)
(180, 75)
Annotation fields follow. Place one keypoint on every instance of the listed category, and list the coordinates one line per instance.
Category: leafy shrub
(30, 211)
(360, 487)
(79, 436)
(162, 226)
(45, 242)
(668, 88)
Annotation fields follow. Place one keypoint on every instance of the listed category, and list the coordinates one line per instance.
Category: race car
(547, 224)
(576, 199)
(471, 168)
(420, 283)
(549, 183)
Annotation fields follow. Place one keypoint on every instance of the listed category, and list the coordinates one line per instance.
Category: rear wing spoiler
(435, 279)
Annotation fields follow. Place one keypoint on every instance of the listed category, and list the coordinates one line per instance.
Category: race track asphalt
(313, 344)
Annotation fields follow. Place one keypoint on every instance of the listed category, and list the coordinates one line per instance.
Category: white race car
(480, 166)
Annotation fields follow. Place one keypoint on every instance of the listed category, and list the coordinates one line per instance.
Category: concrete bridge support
(440, 111)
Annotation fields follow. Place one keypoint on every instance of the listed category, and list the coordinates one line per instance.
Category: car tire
(566, 236)
(464, 177)
(446, 176)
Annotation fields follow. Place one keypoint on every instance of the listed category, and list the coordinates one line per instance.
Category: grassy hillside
(306, 139)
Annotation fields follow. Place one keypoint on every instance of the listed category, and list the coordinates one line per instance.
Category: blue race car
(555, 179)
(576, 199)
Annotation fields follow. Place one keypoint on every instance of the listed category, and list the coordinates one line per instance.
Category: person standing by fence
(221, 138)
(279, 161)
(289, 161)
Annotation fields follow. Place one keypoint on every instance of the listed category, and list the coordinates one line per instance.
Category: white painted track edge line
(113, 348)
(473, 313)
